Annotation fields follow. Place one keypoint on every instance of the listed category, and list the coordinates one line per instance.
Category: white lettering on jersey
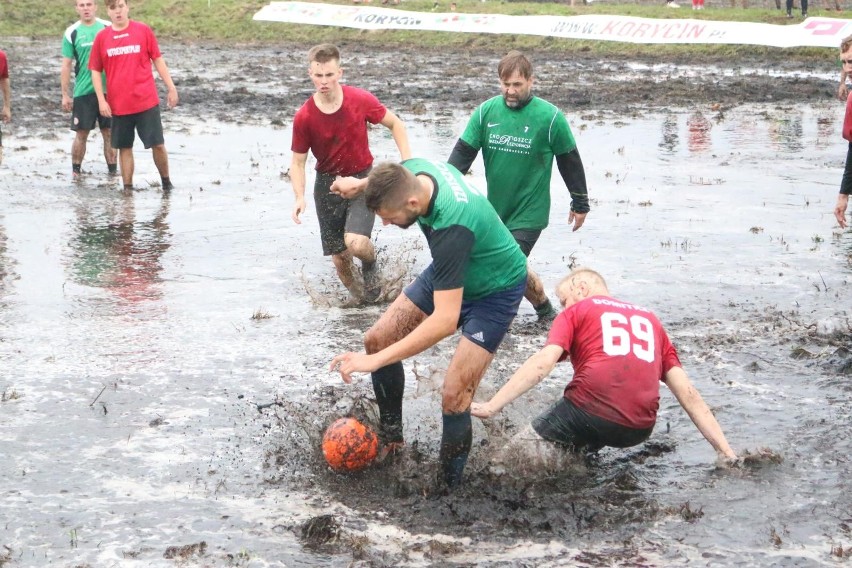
(637, 333)
(458, 191)
(124, 50)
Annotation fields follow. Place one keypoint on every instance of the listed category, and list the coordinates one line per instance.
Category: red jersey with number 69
(338, 140)
(620, 353)
(125, 56)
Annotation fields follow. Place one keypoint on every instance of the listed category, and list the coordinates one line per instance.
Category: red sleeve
(4, 66)
(668, 354)
(373, 109)
(301, 142)
(847, 122)
(95, 54)
(153, 46)
(562, 331)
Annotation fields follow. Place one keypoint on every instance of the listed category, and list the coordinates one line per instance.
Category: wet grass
(230, 21)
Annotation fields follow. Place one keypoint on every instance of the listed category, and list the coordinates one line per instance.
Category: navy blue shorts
(483, 321)
(85, 114)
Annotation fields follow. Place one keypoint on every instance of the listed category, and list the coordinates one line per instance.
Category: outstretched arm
(397, 127)
(574, 175)
(691, 401)
(526, 377)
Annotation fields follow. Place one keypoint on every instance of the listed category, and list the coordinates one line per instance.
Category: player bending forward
(620, 353)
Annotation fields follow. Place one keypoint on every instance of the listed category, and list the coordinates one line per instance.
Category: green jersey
(518, 146)
(77, 44)
(471, 248)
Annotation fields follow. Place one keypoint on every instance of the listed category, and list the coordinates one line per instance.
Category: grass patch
(230, 21)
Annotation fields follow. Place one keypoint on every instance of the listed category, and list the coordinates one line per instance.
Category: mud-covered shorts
(147, 123)
(483, 321)
(338, 216)
(568, 425)
(86, 113)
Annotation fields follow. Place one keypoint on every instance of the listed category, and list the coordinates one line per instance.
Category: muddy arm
(532, 372)
(691, 401)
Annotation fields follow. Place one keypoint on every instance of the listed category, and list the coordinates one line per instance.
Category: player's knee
(372, 341)
(454, 400)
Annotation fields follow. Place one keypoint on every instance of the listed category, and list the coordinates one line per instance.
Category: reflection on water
(785, 133)
(699, 132)
(112, 249)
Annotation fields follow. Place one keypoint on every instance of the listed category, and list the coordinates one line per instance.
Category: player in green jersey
(519, 135)
(83, 103)
(475, 282)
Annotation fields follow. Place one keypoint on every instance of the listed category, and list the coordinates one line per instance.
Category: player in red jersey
(620, 353)
(6, 111)
(125, 52)
(333, 125)
(846, 182)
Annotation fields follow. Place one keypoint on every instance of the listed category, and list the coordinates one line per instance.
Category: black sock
(128, 187)
(389, 385)
(76, 168)
(544, 308)
(166, 183)
(455, 446)
(113, 168)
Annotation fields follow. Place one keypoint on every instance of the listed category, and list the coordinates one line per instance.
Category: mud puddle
(148, 341)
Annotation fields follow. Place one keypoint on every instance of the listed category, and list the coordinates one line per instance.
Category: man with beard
(475, 282)
(519, 135)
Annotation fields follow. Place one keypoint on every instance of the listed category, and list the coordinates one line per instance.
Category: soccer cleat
(372, 282)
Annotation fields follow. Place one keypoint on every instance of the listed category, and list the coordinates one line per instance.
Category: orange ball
(349, 445)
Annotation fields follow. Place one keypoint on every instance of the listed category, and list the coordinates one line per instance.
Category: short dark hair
(110, 4)
(323, 53)
(514, 61)
(845, 44)
(388, 186)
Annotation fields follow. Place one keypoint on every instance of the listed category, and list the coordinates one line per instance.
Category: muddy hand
(840, 209)
(298, 209)
(577, 219)
(481, 410)
(347, 187)
(349, 363)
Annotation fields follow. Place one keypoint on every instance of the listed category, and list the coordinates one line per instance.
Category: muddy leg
(125, 159)
(109, 151)
(78, 148)
(466, 370)
(399, 320)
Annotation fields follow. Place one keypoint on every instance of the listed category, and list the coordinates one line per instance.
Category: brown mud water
(149, 416)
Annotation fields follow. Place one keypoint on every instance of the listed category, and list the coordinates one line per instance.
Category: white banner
(813, 32)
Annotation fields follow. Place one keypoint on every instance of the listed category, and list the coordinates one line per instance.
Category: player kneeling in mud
(620, 353)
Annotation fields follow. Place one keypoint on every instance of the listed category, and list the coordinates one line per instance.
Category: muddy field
(165, 357)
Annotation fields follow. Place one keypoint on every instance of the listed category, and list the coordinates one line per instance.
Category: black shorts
(338, 216)
(147, 123)
(86, 113)
(526, 239)
(568, 425)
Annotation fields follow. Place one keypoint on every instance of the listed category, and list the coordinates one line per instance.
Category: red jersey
(126, 57)
(338, 140)
(4, 66)
(620, 353)
(847, 121)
